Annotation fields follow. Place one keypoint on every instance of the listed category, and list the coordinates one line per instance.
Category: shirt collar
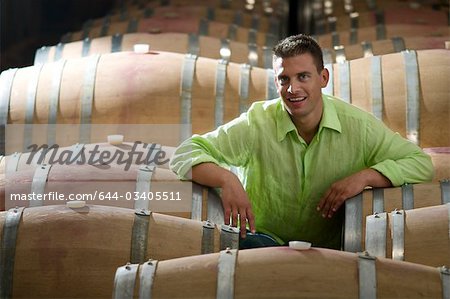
(329, 120)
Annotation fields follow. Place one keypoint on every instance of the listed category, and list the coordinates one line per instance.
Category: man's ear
(275, 70)
(276, 82)
(325, 76)
(275, 79)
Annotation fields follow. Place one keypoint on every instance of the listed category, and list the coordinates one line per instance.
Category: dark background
(27, 25)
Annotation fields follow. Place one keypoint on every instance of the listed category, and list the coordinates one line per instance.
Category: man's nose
(293, 86)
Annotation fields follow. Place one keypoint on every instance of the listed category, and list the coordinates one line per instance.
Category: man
(301, 155)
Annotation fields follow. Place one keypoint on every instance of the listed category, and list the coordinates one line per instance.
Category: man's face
(300, 85)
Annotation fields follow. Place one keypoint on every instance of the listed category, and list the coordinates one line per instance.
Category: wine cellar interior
(128, 81)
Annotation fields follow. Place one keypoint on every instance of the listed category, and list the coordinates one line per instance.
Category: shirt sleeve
(397, 158)
(228, 145)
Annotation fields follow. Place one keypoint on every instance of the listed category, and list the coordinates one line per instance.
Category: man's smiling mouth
(299, 99)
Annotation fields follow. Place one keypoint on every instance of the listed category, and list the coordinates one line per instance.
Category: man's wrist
(226, 177)
(374, 178)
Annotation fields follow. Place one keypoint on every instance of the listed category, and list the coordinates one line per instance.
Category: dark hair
(299, 44)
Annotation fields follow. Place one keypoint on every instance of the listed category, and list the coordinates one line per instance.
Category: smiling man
(300, 156)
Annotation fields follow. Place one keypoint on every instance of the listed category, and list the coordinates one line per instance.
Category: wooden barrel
(61, 252)
(419, 236)
(266, 7)
(404, 15)
(379, 200)
(162, 24)
(441, 161)
(402, 89)
(127, 88)
(128, 175)
(276, 273)
(237, 17)
(381, 47)
(204, 46)
(345, 38)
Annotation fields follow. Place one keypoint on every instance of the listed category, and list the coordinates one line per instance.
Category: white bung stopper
(115, 139)
(76, 204)
(299, 245)
(141, 48)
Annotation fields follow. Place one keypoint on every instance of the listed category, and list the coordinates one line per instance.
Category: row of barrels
(201, 20)
(407, 90)
(345, 7)
(111, 185)
(330, 15)
(63, 252)
(98, 231)
(128, 175)
(55, 246)
(261, 7)
(121, 168)
(230, 50)
(156, 19)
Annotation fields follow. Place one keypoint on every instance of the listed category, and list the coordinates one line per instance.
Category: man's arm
(234, 198)
(391, 160)
(201, 158)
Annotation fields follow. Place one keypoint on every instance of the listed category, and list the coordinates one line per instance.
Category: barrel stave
(407, 280)
(427, 236)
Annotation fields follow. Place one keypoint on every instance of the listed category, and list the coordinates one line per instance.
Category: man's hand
(348, 187)
(235, 202)
(234, 198)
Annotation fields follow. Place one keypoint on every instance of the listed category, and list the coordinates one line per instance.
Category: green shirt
(285, 177)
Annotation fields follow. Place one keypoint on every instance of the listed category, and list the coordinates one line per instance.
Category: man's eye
(282, 80)
(303, 77)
